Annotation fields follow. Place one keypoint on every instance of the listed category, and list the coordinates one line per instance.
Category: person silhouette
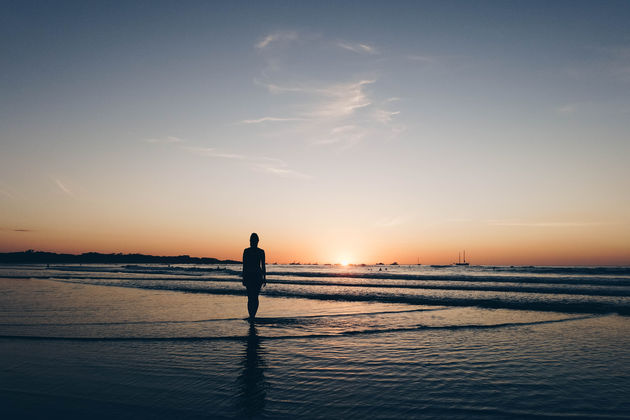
(254, 273)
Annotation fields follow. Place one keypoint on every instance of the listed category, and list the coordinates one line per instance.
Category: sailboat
(459, 261)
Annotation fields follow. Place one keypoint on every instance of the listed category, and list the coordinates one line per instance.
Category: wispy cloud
(340, 113)
(212, 152)
(63, 187)
(335, 100)
(283, 171)
(270, 119)
(344, 99)
(275, 37)
(520, 223)
(274, 88)
(260, 163)
(384, 116)
(169, 139)
(348, 135)
(357, 47)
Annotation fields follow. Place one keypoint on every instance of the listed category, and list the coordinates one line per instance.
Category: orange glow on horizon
(571, 248)
(603, 244)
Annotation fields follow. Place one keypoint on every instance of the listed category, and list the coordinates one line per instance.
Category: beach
(434, 194)
(329, 341)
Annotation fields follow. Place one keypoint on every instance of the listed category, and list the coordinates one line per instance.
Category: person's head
(253, 239)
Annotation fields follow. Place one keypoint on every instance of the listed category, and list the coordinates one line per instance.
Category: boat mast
(464, 255)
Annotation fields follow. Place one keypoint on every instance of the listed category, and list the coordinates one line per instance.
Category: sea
(355, 342)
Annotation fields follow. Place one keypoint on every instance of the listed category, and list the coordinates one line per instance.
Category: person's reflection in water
(252, 380)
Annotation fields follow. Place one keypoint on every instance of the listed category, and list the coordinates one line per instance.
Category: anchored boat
(459, 260)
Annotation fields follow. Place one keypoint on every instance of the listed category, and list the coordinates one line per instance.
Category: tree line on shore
(42, 257)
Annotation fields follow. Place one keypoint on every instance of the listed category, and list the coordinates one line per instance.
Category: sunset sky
(359, 131)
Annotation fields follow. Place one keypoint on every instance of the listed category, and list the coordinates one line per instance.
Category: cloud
(336, 100)
(357, 47)
(275, 88)
(384, 116)
(63, 188)
(348, 135)
(342, 100)
(169, 139)
(518, 223)
(212, 152)
(332, 114)
(261, 163)
(337, 112)
(283, 172)
(275, 37)
(270, 119)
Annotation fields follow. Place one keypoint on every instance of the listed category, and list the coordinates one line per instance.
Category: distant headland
(41, 257)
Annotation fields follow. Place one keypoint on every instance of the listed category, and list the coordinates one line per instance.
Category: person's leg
(252, 300)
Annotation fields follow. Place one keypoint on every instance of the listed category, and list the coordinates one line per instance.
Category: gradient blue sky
(358, 131)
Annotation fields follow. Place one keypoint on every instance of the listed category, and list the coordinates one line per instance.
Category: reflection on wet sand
(252, 384)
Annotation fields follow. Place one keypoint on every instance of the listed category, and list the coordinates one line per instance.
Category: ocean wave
(548, 288)
(417, 272)
(114, 323)
(585, 291)
(231, 275)
(550, 304)
(585, 270)
(269, 321)
(453, 277)
(613, 271)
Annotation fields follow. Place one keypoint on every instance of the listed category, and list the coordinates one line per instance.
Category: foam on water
(563, 289)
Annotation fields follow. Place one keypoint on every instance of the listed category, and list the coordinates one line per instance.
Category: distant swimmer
(254, 273)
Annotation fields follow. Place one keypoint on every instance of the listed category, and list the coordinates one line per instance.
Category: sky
(338, 131)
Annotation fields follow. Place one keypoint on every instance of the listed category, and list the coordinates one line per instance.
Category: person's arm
(264, 269)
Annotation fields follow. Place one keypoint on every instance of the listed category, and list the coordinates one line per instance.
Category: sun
(344, 263)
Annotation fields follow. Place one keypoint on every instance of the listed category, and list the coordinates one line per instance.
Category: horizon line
(296, 262)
